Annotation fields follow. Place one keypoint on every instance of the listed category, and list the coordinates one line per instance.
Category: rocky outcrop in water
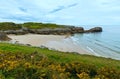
(95, 29)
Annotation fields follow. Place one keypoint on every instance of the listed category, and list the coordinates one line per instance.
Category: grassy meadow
(24, 62)
(30, 25)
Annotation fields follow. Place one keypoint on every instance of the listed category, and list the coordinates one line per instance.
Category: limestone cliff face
(56, 31)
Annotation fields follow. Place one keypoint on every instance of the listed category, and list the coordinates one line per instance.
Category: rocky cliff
(56, 31)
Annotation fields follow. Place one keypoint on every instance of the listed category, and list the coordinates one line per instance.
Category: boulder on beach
(4, 37)
(16, 32)
(95, 29)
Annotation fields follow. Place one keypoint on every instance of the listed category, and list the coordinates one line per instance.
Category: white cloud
(61, 11)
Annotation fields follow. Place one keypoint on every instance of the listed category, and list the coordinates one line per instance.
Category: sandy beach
(57, 42)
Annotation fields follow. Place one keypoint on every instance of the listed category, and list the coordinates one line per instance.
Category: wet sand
(57, 42)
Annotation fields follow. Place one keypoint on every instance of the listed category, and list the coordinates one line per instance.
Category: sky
(72, 12)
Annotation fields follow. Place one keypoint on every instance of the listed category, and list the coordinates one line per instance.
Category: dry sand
(57, 42)
(35, 39)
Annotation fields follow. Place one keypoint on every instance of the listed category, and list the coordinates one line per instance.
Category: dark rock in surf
(95, 29)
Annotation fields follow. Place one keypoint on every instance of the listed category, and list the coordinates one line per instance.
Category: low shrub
(38, 66)
(9, 26)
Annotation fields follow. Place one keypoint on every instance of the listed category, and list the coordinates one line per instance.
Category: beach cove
(102, 44)
(55, 42)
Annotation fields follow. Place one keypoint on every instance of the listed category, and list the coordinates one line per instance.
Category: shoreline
(57, 42)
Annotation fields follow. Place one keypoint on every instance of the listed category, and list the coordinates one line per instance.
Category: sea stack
(95, 29)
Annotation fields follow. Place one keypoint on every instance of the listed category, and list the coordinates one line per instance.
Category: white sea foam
(90, 49)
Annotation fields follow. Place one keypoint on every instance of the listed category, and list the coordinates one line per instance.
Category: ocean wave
(90, 49)
(74, 39)
(108, 47)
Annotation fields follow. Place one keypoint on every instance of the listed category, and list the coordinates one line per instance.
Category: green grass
(29, 25)
(61, 57)
(32, 25)
(23, 62)
(9, 26)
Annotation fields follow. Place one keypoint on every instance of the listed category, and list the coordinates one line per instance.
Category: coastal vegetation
(9, 26)
(24, 62)
(32, 25)
(29, 25)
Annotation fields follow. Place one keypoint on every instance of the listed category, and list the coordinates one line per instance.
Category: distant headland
(43, 28)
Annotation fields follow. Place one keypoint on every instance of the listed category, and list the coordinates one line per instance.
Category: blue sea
(105, 44)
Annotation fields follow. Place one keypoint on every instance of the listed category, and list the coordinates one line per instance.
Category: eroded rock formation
(4, 37)
(56, 31)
